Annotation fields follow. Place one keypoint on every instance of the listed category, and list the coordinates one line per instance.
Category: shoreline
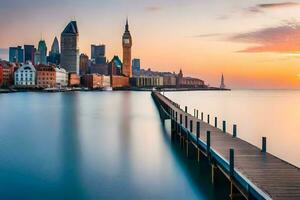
(3, 91)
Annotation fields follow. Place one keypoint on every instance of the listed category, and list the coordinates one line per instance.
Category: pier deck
(259, 174)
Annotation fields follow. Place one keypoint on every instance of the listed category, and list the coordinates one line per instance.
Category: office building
(98, 54)
(69, 48)
(29, 51)
(16, 54)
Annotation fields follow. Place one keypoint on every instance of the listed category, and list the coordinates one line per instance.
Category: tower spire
(126, 26)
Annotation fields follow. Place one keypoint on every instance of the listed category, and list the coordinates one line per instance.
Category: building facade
(73, 79)
(45, 76)
(83, 64)
(136, 65)
(7, 73)
(54, 55)
(127, 44)
(96, 81)
(119, 81)
(40, 56)
(29, 51)
(25, 76)
(1, 76)
(148, 81)
(98, 54)
(16, 54)
(115, 66)
(189, 82)
(69, 48)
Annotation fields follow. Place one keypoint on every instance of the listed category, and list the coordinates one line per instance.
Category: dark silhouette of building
(136, 65)
(127, 44)
(16, 54)
(69, 48)
(98, 54)
(115, 66)
(222, 86)
(83, 64)
(54, 55)
(29, 51)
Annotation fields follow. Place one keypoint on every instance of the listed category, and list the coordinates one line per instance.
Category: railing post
(216, 122)
(202, 116)
(185, 109)
(264, 145)
(224, 126)
(185, 122)
(208, 119)
(231, 162)
(234, 131)
(180, 133)
(197, 114)
(191, 126)
(208, 143)
(198, 131)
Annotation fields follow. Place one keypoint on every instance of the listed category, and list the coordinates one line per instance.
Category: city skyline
(204, 39)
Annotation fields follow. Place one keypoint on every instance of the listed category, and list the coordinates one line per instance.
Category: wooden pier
(253, 173)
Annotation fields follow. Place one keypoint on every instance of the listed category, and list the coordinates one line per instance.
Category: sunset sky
(256, 44)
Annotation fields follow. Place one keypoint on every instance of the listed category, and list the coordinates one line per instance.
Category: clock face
(126, 41)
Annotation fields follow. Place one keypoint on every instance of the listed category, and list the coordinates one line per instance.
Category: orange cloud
(280, 39)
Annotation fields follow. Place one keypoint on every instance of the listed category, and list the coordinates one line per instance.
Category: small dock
(253, 173)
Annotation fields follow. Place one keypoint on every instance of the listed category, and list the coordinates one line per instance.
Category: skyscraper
(136, 65)
(29, 53)
(127, 44)
(83, 64)
(98, 53)
(69, 48)
(16, 54)
(54, 55)
(40, 55)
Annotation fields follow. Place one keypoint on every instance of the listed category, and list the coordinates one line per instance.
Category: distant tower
(127, 44)
(41, 54)
(69, 48)
(222, 86)
(54, 56)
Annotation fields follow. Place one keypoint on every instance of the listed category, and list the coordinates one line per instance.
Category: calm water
(257, 113)
(100, 145)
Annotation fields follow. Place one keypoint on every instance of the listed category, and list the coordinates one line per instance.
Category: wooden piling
(186, 109)
(264, 145)
(202, 116)
(224, 126)
(216, 122)
(208, 119)
(231, 162)
(234, 131)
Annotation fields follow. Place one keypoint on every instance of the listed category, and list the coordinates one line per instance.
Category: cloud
(208, 35)
(153, 8)
(281, 39)
(260, 8)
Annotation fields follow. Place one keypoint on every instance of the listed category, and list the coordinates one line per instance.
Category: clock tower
(127, 43)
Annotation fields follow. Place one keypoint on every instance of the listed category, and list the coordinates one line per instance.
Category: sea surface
(93, 145)
(274, 114)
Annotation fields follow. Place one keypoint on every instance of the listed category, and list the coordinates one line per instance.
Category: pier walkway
(252, 172)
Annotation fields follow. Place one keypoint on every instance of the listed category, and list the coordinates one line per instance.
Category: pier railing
(252, 172)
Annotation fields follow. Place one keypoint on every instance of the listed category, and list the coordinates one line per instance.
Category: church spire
(126, 26)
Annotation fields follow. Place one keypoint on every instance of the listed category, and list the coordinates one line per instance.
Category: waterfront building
(169, 80)
(148, 81)
(25, 76)
(222, 86)
(95, 81)
(69, 48)
(40, 56)
(50, 76)
(73, 79)
(98, 54)
(99, 69)
(29, 53)
(83, 64)
(54, 55)
(136, 65)
(16, 54)
(119, 81)
(189, 82)
(7, 73)
(127, 44)
(115, 66)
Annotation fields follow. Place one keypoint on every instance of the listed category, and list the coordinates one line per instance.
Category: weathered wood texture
(273, 176)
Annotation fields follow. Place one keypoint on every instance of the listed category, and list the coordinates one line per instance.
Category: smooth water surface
(92, 145)
(257, 113)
